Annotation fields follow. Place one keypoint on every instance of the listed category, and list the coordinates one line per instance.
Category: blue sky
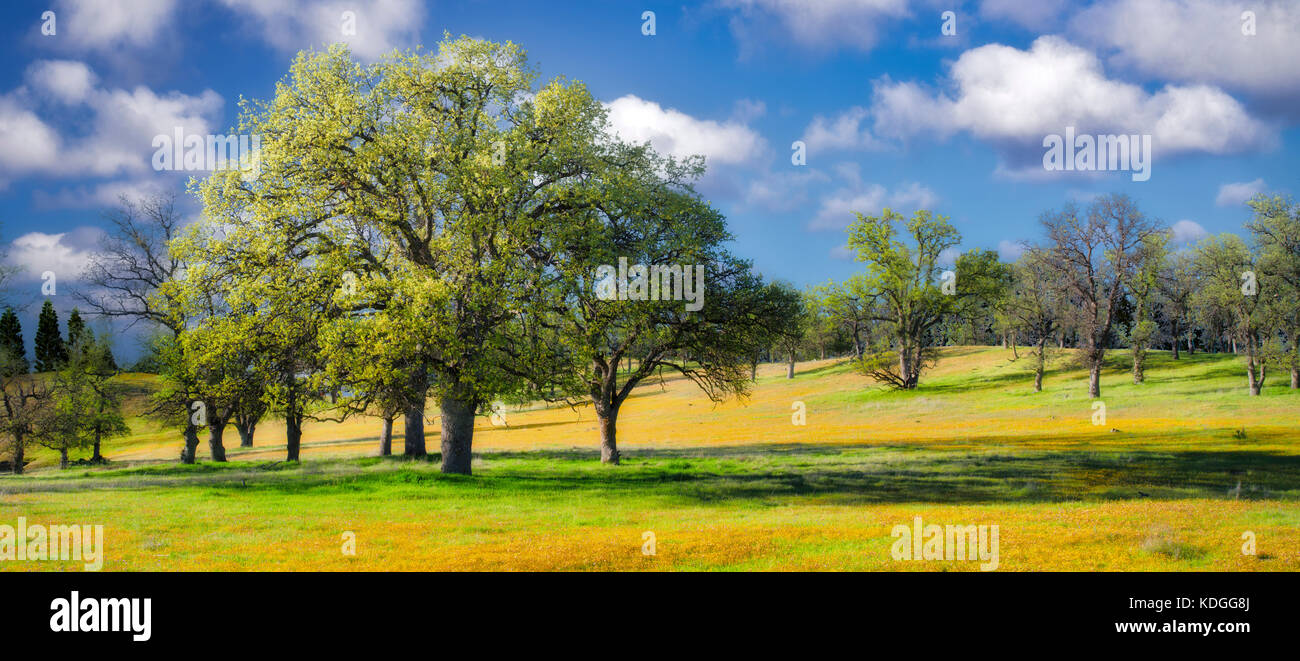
(892, 111)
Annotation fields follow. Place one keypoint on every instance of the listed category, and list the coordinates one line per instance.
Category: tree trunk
(1295, 377)
(20, 448)
(386, 437)
(457, 432)
(293, 435)
(1094, 379)
(1042, 360)
(608, 435)
(63, 457)
(1139, 367)
(95, 456)
(789, 370)
(245, 434)
(216, 430)
(414, 417)
(1191, 349)
(191, 443)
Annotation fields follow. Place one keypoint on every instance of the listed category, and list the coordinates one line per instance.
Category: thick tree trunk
(1175, 348)
(63, 457)
(293, 436)
(216, 430)
(457, 432)
(789, 370)
(414, 417)
(1191, 348)
(245, 434)
(1139, 367)
(191, 443)
(95, 456)
(1094, 379)
(386, 437)
(1295, 377)
(608, 420)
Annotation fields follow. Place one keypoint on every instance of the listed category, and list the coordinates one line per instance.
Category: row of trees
(1105, 277)
(73, 402)
(428, 227)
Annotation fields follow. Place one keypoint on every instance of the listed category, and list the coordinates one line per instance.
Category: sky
(941, 105)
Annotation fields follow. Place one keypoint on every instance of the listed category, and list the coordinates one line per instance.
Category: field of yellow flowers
(1185, 472)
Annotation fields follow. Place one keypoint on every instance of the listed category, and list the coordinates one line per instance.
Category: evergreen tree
(51, 354)
(11, 341)
(76, 327)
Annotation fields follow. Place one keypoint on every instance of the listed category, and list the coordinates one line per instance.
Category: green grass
(1174, 489)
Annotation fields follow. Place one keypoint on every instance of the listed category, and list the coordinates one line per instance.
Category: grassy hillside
(1183, 466)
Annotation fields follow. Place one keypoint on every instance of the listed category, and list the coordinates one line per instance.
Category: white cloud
(65, 253)
(1200, 41)
(66, 81)
(293, 25)
(116, 137)
(837, 209)
(27, 144)
(1010, 251)
(1187, 231)
(844, 131)
(1016, 97)
(820, 25)
(1236, 194)
(112, 24)
(673, 132)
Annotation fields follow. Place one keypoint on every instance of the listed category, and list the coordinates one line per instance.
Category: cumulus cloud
(1236, 194)
(844, 131)
(837, 209)
(113, 129)
(65, 81)
(65, 254)
(1187, 232)
(105, 25)
(678, 134)
(293, 25)
(819, 25)
(1200, 41)
(1013, 98)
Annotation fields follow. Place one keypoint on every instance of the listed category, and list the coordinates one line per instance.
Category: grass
(1185, 464)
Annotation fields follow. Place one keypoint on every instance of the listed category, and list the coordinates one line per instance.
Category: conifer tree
(50, 352)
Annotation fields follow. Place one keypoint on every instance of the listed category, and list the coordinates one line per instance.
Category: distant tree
(11, 341)
(1094, 256)
(1275, 228)
(848, 305)
(1145, 289)
(1233, 284)
(1177, 284)
(51, 353)
(24, 402)
(85, 407)
(908, 293)
(1034, 306)
(131, 276)
(75, 328)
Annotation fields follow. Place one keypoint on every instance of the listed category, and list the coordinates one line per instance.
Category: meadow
(1182, 467)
